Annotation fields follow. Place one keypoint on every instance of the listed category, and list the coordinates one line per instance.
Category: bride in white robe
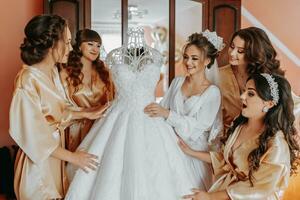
(192, 104)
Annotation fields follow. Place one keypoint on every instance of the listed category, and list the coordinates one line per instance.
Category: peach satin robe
(231, 169)
(38, 117)
(84, 97)
(231, 104)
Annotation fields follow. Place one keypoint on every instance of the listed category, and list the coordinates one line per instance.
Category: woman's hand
(198, 195)
(85, 160)
(184, 147)
(155, 110)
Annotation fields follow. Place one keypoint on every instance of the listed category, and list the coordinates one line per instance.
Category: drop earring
(265, 109)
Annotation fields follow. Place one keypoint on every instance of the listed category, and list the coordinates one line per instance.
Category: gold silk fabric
(296, 100)
(231, 169)
(231, 104)
(85, 97)
(38, 116)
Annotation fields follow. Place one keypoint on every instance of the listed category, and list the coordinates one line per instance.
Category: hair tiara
(273, 87)
(213, 38)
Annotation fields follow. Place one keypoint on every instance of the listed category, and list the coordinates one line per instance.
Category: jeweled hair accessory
(273, 87)
(213, 38)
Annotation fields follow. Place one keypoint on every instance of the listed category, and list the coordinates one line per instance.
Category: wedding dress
(140, 157)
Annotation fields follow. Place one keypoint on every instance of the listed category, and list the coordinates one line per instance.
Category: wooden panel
(171, 40)
(86, 13)
(225, 19)
(69, 11)
(77, 12)
(205, 14)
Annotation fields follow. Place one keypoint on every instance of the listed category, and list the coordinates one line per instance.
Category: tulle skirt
(140, 160)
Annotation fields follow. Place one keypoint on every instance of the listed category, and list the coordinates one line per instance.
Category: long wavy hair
(279, 118)
(260, 55)
(74, 66)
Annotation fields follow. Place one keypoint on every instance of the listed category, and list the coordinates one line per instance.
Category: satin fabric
(231, 169)
(231, 104)
(84, 97)
(296, 100)
(38, 116)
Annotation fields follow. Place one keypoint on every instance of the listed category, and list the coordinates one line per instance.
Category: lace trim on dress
(135, 53)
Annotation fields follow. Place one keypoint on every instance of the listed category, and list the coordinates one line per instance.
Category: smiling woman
(39, 113)
(250, 51)
(192, 103)
(86, 81)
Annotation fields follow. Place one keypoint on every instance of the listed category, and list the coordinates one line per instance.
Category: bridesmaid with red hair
(87, 82)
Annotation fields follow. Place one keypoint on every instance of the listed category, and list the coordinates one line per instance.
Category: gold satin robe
(292, 192)
(84, 97)
(231, 104)
(231, 169)
(296, 100)
(37, 120)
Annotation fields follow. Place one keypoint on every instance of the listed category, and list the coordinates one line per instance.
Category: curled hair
(205, 46)
(279, 118)
(74, 66)
(41, 33)
(260, 55)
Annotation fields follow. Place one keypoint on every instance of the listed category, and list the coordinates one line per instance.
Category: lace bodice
(135, 53)
(137, 58)
(135, 88)
(135, 68)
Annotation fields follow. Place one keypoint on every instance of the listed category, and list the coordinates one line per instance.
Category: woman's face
(236, 52)
(90, 50)
(193, 60)
(63, 48)
(252, 103)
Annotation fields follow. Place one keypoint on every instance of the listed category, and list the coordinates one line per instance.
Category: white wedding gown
(140, 157)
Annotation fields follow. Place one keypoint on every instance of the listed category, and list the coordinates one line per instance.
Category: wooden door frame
(208, 19)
